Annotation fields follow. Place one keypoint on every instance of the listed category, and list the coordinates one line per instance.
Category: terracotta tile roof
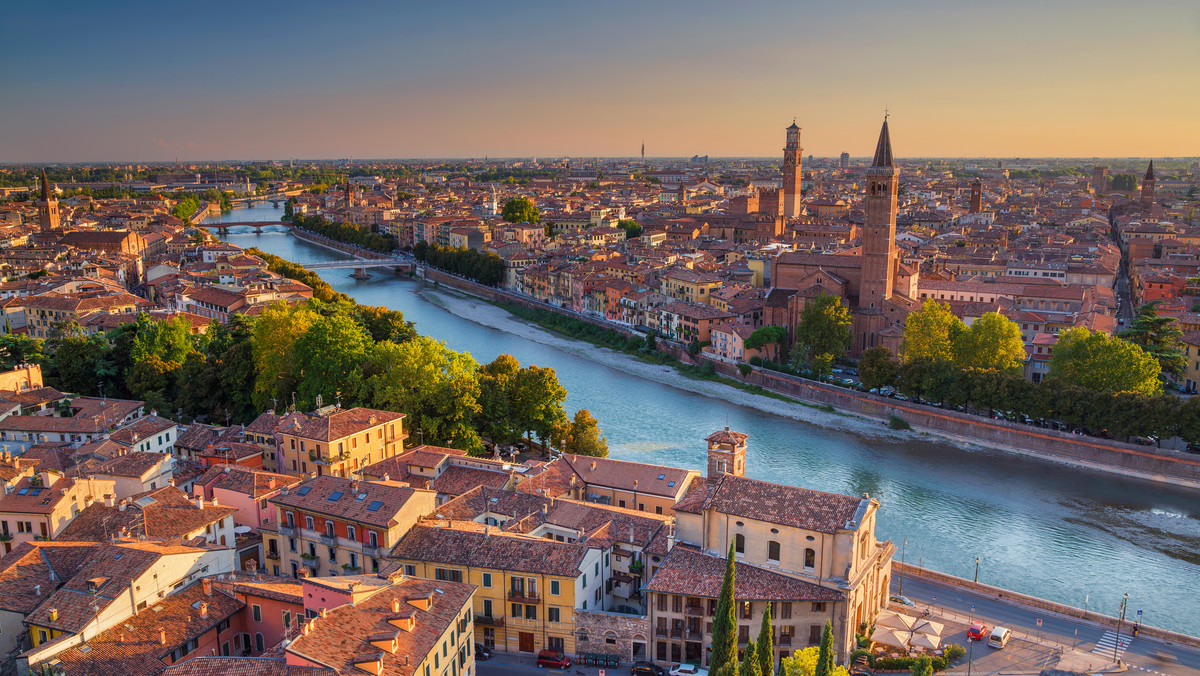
(284, 589)
(133, 465)
(136, 647)
(336, 425)
(320, 495)
(493, 549)
(38, 563)
(253, 483)
(629, 476)
(343, 638)
(208, 665)
(140, 429)
(774, 503)
(687, 571)
(161, 514)
(456, 480)
(726, 437)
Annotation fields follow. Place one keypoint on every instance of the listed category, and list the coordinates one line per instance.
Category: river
(1069, 535)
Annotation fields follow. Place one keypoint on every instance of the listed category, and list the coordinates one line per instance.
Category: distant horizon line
(635, 158)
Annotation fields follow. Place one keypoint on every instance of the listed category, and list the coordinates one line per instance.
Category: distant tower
(976, 196)
(726, 453)
(845, 162)
(643, 152)
(879, 228)
(1099, 179)
(1148, 187)
(47, 207)
(792, 162)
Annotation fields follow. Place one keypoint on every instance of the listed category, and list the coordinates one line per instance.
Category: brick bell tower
(792, 164)
(879, 229)
(976, 196)
(726, 453)
(1148, 182)
(47, 206)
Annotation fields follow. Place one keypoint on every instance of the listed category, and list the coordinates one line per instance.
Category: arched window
(374, 538)
(773, 551)
(259, 644)
(739, 543)
(810, 558)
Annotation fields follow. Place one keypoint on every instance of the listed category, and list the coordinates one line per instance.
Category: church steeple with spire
(879, 228)
(48, 218)
(1148, 182)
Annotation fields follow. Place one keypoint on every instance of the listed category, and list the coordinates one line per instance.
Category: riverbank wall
(1159, 465)
(1026, 601)
(334, 245)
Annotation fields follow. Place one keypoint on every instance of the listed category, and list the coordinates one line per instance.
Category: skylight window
(670, 484)
(303, 490)
(662, 476)
(374, 506)
(335, 496)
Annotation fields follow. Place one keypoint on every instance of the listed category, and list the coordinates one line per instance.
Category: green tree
(804, 663)
(275, 335)
(877, 367)
(992, 342)
(930, 333)
(17, 349)
(1125, 182)
(823, 329)
(765, 644)
(436, 387)
(497, 384)
(750, 666)
(768, 340)
(330, 356)
(170, 341)
(582, 436)
(923, 666)
(826, 653)
(520, 210)
(1097, 361)
(722, 660)
(384, 324)
(1159, 336)
(631, 228)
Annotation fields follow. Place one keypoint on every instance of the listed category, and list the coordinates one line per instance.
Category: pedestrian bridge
(358, 264)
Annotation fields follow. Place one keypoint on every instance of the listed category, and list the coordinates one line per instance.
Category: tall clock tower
(791, 172)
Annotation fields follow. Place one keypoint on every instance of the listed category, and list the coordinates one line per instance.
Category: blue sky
(258, 80)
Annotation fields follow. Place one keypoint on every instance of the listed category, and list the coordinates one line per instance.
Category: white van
(999, 637)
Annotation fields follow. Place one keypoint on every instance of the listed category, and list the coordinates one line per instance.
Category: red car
(553, 659)
(978, 631)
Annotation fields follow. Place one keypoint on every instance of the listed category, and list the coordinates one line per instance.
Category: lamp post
(1117, 644)
(977, 569)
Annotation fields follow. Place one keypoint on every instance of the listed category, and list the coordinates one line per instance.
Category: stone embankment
(1160, 465)
(1018, 599)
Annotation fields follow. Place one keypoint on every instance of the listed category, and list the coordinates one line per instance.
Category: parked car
(647, 669)
(688, 670)
(999, 637)
(482, 654)
(978, 631)
(903, 600)
(553, 659)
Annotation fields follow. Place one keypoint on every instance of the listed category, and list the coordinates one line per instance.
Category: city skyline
(154, 83)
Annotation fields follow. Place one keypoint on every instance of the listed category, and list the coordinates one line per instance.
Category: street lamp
(1121, 620)
(977, 569)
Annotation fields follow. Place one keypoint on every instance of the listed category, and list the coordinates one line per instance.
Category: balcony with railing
(490, 620)
(289, 531)
(785, 639)
(523, 596)
(330, 540)
(694, 611)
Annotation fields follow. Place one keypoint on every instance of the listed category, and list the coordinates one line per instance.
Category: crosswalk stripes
(1108, 642)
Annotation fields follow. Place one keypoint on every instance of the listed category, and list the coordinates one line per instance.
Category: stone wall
(612, 634)
(1022, 600)
(1102, 454)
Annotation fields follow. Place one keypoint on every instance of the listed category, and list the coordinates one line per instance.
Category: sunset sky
(92, 81)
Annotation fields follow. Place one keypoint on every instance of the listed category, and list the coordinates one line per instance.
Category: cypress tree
(765, 646)
(750, 662)
(825, 653)
(723, 660)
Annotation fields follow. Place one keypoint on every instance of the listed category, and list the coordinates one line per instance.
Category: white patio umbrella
(930, 641)
(893, 620)
(893, 637)
(929, 627)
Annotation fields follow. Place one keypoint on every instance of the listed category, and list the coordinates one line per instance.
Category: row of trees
(485, 268)
(292, 354)
(345, 232)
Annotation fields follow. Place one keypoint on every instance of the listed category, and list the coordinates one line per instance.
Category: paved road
(1056, 631)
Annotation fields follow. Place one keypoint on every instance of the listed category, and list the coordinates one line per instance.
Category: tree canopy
(930, 333)
(991, 342)
(1159, 336)
(582, 436)
(1098, 361)
(520, 210)
(823, 330)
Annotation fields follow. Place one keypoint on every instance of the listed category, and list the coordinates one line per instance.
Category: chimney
(37, 590)
(54, 614)
(214, 501)
(324, 612)
(108, 500)
(270, 482)
(395, 605)
(200, 502)
(203, 608)
(124, 504)
(593, 465)
(207, 585)
(303, 571)
(387, 477)
(162, 636)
